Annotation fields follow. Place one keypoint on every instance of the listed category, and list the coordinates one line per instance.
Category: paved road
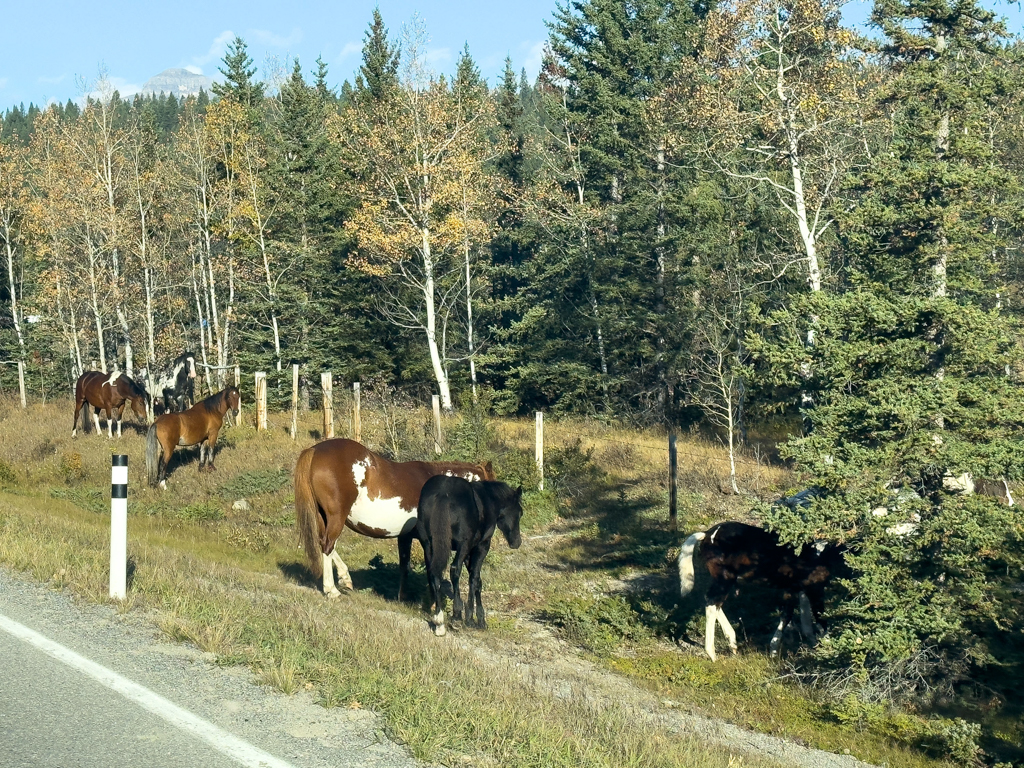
(81, 687)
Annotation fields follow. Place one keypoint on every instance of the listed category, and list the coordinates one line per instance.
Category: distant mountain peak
(178, 81)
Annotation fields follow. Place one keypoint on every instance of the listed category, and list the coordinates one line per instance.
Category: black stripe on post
(119, 490)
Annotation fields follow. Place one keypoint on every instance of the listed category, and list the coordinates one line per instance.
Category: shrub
(8, 477)
(573, 472)
(254, 483)
(201, 512)
(598, 624)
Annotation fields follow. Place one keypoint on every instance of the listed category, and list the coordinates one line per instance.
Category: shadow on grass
(379, 577)
(298, 573)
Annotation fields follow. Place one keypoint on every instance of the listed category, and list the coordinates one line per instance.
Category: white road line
(218, 738)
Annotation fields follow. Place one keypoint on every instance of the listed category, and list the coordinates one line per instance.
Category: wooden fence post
(538, 449)
(21, 382)
(327, 391)
(261, 400)
(436, 402)
(238, 386)
(672, 493)
(357, 415)
(295, 399)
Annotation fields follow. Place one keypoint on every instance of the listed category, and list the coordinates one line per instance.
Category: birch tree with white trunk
(411, 153)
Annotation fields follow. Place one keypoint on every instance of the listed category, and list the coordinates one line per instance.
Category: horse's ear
(519, 492)
(488, 468)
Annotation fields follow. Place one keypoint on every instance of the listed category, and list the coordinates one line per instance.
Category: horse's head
(191, 360)
(140, 403)
(509, 515)
(232, 398)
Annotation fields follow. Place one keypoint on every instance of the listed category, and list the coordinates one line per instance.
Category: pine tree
(378, 74)
(911, 367)
(239, 83)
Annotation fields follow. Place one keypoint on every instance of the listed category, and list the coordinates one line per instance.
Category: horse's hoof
(439, 630)
(334, 594)
(163, 485)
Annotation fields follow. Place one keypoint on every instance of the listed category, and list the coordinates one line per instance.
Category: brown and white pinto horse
(108, 391)
(199, 424)
(340, 482)
(736, 552)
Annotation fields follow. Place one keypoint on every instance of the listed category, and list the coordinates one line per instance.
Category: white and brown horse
(736, 552)
(95, 390)
(340, 482)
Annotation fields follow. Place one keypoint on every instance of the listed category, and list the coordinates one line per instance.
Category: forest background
(723, 216)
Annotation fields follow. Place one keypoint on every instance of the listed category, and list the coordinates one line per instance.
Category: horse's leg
(713, 614)
(109, 410)
(344, 577)
(456, 573)
(404, 555)
(476, 561)
(96, 419)
(784, 621)
(119, 415)
(167, 447)
(328, 567)
(730, 633)
(710, 621)
(211, 446)
(78, 409)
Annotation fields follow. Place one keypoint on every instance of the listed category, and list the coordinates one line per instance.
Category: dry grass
(595, 579)
(254, 605)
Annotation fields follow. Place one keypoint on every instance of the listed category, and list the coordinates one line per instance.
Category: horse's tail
(435, 533)
(438, 564)
(307, 513)
(686, 563)
(153, 455)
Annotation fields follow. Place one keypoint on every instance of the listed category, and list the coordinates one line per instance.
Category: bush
(517, 467)
(8, 477)
(572, 471)
(254, 483)
(89, 499)
(598, 624)
(201, 512)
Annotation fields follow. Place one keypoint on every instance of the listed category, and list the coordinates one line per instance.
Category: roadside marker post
(119, 525)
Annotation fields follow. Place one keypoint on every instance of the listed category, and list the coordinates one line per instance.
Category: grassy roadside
(230, 587)
(593, 582)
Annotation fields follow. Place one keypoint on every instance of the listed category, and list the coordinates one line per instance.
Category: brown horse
(339, 482)
(199, 424)
(108, 391)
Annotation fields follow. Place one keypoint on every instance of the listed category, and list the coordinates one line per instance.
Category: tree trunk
(428, 297)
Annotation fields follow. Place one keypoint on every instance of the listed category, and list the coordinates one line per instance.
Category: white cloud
(217, 48)
(534, 53)
(194, 69)
(123, 87)
(438, 56)
(52, 80)
(349, 49)
(3, 82)
(274, 40)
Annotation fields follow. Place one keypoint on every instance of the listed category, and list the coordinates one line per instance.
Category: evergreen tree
(912, 374)
(378, 74)
(239, 83)
(609, 61)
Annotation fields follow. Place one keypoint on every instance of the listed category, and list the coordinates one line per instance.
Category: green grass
(597, 569)
(236, 586)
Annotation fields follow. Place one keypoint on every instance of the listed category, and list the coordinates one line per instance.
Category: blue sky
(48, 48)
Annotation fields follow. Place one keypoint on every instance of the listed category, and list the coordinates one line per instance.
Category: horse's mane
(137, 389)
(212, 403)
